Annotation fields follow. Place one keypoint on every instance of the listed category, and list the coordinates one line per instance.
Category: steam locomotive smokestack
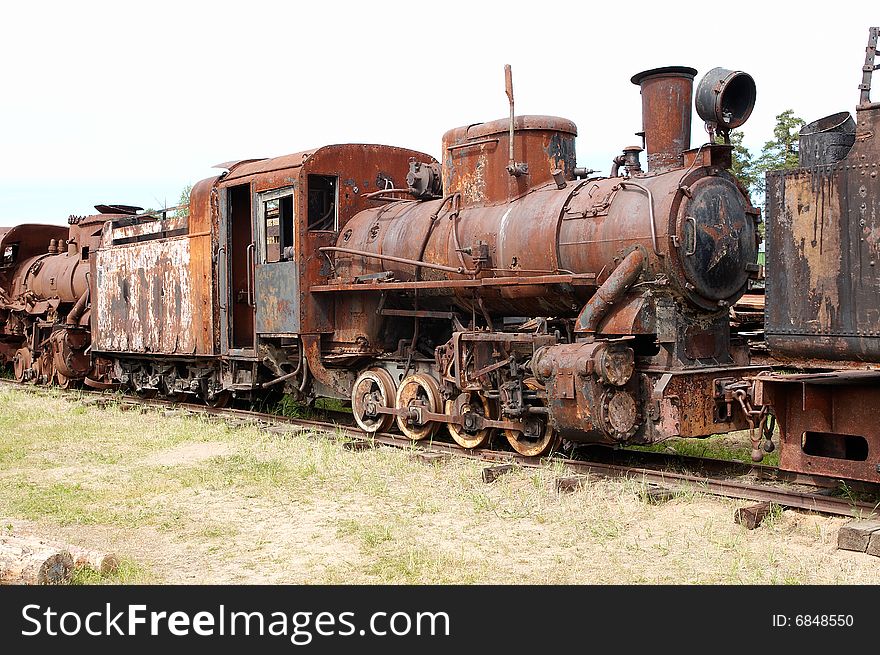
(666, 113)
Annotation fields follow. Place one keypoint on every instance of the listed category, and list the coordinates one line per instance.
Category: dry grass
(188, 500)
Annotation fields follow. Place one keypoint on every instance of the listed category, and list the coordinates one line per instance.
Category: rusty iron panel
(827, 426)
(148, 229)
(585, 228)
(276, 287)
(684, 404)
(61, 276)
(823, 240)
(147, 301)
(24, 241)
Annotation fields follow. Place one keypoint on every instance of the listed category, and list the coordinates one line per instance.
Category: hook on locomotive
(501, 289)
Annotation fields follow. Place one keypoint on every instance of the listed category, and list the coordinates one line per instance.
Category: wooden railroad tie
(570, 483)
(492, 473)
(100, 403)
(431, 458)
(283, 430)
(860, 536)
(753, 515)
(358, 445)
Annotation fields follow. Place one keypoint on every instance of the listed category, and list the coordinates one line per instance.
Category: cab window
(278, 220)
(322, 212)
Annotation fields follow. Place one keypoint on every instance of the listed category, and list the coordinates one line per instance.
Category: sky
(116, 102)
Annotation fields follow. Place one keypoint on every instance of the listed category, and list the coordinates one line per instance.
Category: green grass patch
(128, 572)
(720, 446)
(290, 407)
(416, 564)
(76, 504)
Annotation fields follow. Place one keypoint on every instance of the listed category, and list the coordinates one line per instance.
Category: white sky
(128, 102)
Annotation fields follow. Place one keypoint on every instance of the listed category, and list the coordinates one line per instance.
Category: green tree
(782, 151)
(742, 162)
(183, 201)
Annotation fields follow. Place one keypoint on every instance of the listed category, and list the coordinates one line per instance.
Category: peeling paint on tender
(145, 298)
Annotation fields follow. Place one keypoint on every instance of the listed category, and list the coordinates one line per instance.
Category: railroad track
(725, 478)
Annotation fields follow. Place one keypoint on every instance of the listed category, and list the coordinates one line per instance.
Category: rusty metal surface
(336, 381)
(582, 229)
(592, 394)
(725, 100)
(823, 239)
(147, 300)
(687, 403)
(827, 426)
(666, 113)
(475, 157)
(30, 239)
(44, 294)
(278, 292)
(360, 170)
(827, 140)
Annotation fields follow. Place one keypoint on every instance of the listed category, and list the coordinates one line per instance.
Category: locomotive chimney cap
(673, 71)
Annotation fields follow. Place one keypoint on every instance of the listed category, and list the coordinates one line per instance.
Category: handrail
(400, 260)
(250, 256)
(623, 186)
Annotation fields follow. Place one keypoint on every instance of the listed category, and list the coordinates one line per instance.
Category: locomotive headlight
(725, 99)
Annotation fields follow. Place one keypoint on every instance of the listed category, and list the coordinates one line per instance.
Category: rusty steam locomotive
(500, 289)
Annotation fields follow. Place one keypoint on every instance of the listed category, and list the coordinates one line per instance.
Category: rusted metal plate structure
(823, 294)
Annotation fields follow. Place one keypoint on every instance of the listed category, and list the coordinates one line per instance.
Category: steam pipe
(611, 292)
(78, 309)
(373, 194)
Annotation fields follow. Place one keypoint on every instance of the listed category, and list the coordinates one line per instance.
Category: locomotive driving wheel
(21, 363)
(471, 407)
(219, 400)
(538, 438)
(418, 392)
(373, 388)
(63, 381)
